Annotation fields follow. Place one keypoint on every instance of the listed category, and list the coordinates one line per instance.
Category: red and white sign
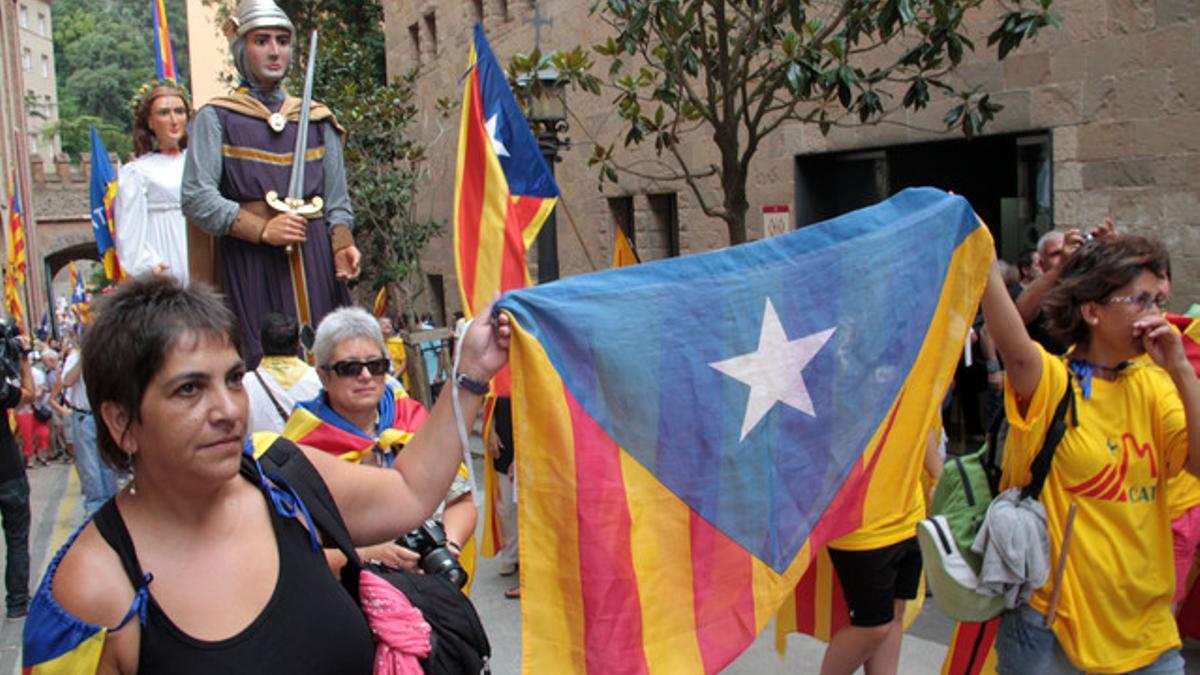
(777, 219)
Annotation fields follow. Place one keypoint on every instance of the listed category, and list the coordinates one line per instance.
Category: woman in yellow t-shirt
(1127, 434)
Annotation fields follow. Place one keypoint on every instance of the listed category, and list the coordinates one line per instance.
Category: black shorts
(873, 580)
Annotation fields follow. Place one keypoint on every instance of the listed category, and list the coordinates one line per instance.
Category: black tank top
(310, 624)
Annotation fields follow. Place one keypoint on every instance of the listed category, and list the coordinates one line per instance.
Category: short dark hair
(280, 335)
(1025, 261)
(135, 328)
(1092, 274)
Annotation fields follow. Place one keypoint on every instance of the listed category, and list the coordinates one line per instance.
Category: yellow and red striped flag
(624, 254)
(16, 230)
(380, 305)
(12, 296)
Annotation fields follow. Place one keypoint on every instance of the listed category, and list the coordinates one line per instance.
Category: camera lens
(441, 561)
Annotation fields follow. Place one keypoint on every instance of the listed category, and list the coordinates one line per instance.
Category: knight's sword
(295, 203)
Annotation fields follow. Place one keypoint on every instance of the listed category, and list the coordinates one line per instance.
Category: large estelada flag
(16, 230)
(164, 56)
(103, 189)
(503, 190)
(691, 431)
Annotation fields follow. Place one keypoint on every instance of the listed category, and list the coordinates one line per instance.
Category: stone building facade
(1101, 119)
(37, 64)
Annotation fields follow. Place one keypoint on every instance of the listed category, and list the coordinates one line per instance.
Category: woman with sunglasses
(198, 565)
(1127, 433)
(363, 415)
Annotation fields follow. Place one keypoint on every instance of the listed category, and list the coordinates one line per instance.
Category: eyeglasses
(353, 367)
(1144, 300)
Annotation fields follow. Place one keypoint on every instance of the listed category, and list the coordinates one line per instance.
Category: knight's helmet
(253, 14)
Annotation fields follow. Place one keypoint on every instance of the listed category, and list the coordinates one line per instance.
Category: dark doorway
(1007, 178)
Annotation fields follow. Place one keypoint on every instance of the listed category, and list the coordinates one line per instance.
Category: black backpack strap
(1054, 434)
(285, 462)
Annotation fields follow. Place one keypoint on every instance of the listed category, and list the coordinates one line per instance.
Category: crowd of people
(176, 390)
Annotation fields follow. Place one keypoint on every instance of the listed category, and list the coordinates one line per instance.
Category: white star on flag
(492, 129)
(774, 372)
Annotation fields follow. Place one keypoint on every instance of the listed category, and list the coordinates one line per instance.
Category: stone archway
(59, 259)
(68, 244)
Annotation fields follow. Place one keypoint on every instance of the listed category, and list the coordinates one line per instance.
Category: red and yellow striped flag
(16, 230)
(624, 254)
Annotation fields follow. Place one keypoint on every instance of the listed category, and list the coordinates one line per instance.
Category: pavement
(57, 511)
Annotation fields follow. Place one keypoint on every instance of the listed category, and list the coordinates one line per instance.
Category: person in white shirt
(281, 379)
(96, 478)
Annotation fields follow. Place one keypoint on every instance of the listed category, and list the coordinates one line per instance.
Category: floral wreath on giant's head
(144, 91)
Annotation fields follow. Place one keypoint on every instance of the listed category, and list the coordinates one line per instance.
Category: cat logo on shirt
(1109, 483)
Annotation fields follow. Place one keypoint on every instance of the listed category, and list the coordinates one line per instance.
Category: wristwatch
(471, 384)
(993, 366)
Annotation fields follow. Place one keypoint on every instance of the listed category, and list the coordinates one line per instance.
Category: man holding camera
(16, 388)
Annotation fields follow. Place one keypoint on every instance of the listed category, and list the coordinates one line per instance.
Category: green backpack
(957, 510)
(963, 495)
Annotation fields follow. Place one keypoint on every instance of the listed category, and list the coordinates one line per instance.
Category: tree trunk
(735, 204)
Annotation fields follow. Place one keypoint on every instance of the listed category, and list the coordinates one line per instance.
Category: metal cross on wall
(537, 22)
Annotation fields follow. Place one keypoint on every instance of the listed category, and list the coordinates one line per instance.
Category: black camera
(11, 350)
(429, 542)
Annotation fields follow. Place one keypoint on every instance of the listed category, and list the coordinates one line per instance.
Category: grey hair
(344, 324)
(1052, 235)
(49, 354)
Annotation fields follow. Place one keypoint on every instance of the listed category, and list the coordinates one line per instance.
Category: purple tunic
(257, 277)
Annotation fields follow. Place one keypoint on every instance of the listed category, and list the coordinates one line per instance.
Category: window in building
(33, 144)
(502, 10)
(41, 23)
(477, 10)
(45, 66)
(431, 33)
(414, 42)
(621, 210)
(26, 61)
(661, 239)
(24, 16)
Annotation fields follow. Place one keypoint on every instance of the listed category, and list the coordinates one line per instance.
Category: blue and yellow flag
(692, 431)
(103, 191)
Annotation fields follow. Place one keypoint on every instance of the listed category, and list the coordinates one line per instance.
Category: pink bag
(401, 632)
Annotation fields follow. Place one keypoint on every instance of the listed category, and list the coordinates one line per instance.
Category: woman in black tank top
(201, 564)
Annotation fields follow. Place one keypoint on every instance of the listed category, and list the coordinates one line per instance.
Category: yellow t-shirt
(1114, 611)
(897, 502)
(395, 347)
(1183, 489)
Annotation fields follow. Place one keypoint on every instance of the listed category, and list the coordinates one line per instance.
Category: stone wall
(1117, 88)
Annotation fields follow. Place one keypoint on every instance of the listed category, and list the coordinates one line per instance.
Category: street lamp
(548, 111)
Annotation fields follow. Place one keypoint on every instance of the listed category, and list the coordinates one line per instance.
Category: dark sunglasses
(352, 367)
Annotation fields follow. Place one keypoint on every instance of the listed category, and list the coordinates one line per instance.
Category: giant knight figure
(294, 261)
